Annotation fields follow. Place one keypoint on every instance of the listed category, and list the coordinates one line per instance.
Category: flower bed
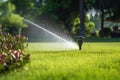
(12, 53)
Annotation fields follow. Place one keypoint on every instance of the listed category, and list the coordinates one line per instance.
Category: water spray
(70, 44)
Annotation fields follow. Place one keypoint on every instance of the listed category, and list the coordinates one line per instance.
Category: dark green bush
(105, 32)
(93, 34)
(12, 53)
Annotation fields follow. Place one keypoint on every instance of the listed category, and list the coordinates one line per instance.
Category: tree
(24, 7)
(10, 21)
(65, 11)
(82, 18)
(110, 7)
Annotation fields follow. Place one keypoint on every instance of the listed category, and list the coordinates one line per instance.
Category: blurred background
(62, 17)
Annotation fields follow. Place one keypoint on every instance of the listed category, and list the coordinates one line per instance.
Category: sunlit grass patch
(97, 61)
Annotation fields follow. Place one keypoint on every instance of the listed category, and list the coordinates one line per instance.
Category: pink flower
(17, 54)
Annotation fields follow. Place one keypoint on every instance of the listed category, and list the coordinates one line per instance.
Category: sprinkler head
(80, 41)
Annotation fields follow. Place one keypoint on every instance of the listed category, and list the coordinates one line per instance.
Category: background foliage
(10, 21)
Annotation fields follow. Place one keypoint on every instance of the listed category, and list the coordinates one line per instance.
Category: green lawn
(97, 61)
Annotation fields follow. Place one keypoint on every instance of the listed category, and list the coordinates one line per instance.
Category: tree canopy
(109, 7)
(11, 22)
(65, 11)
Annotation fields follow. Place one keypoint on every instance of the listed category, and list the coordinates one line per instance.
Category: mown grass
(97, 61)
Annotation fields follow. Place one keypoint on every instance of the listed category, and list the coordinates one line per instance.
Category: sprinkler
(71, 44)
(80, 41)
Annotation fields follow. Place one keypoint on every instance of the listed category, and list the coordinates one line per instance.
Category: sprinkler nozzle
(80, 41)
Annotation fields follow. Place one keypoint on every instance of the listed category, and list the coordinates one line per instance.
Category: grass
(97, 61)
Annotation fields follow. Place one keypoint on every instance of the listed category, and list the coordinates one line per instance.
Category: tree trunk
(102, 19)
(82, 18)
(101, 33)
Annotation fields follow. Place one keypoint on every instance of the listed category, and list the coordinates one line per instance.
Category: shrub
(12, 52)
(93, 34)
(105, 32)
